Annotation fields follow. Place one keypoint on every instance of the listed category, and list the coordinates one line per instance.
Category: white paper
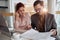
(30, 34)
(35, 35)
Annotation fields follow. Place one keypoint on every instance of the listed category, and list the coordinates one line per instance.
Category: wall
(2, 3)
(12, 4)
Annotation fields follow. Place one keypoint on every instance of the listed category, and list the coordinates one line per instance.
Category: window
(58, 5)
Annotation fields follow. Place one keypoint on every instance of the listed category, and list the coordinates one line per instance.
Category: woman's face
(21, 10)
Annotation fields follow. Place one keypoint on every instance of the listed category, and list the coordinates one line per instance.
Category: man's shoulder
(33, 15)
(52, 15)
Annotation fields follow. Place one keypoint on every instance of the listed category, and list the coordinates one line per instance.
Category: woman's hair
(38, 2)
(18, 5)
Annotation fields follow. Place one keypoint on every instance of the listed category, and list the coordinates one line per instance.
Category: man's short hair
(38, 2)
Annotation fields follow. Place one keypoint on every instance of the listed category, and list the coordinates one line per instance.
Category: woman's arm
(16, 23)
(29, 21)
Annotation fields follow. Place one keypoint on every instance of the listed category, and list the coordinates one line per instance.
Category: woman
(22, 19)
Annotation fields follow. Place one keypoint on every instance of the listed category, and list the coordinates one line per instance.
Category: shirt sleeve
(16, 24)
(54, 25)
(32, 22)
(28, 19)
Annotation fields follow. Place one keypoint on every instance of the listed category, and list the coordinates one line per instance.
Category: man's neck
(42, 14)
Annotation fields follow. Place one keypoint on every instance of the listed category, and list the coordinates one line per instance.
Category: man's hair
(18, 6)
(38, 2)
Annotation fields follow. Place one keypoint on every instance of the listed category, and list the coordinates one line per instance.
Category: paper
(35, 35)
(30, 34)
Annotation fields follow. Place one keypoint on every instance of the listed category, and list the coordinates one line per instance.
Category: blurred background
(7, 8)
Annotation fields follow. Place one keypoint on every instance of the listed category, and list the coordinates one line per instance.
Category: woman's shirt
(23, 22)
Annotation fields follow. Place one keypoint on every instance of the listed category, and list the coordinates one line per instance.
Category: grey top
(49, 22)
(2, 20)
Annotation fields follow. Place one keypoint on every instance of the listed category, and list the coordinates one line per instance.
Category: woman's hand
(28, 27)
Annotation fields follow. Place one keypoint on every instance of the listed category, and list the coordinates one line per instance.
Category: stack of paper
(35, 35)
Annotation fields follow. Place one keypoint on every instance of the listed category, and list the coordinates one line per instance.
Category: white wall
(12, 4)
(2, 3)
(52, 6)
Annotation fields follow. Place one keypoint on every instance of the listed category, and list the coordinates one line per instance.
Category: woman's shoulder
(27, 14)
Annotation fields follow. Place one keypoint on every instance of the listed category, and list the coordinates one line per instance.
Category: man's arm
(32, 22)
(54, 26)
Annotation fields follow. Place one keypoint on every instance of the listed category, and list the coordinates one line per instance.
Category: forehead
(38, 6)
(21, 8)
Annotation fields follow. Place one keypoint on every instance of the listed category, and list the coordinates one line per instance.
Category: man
(3, 25)
(4, 31)
(42, 21)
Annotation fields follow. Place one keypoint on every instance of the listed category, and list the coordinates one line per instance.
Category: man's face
(38, 8)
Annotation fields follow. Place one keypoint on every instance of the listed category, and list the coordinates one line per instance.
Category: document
(35, 35)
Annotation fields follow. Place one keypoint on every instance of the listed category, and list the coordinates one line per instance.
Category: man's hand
(54, 32)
